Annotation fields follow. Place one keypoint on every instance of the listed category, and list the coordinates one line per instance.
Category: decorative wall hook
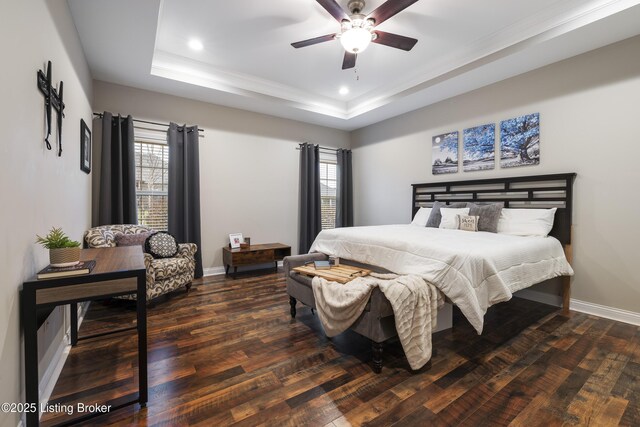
(58, 105)
(44, 84)
(52, 99)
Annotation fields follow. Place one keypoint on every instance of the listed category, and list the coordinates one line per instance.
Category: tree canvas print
(520, 141)
(444, 153)
(479, 148)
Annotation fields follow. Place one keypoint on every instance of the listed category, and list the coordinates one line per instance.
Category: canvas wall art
(479, 148)
(444, 153)
(520, 141)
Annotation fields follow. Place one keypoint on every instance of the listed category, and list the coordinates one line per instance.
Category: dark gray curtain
(184, 187)
(310, 213)
(117, 200)
(344, 195)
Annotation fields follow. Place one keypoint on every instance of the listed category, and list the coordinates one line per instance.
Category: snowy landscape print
(520, 141)
(479, 148)
(444, 153)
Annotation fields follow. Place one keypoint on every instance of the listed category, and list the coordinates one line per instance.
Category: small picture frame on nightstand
(235, 239)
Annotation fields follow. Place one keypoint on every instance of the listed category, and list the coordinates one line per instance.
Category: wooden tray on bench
(340, 274)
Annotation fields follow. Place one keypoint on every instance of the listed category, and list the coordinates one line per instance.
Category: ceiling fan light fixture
(356, 40)
(358, 30)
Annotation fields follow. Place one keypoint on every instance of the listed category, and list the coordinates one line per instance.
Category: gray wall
(589, 124)
(248, 164)
(39, 190)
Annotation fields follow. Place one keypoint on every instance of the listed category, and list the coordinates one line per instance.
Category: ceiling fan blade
(389, 9)
(349, 60)
(334, 9)
(395, 40)
(314, 40)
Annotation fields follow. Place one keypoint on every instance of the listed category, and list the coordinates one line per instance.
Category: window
(328, 184)
(152, 184)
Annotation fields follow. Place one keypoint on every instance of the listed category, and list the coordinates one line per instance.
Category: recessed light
(344, 90)
(195, 44)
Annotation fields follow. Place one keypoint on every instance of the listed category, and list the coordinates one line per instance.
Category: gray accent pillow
(436, 215)
(489, 216)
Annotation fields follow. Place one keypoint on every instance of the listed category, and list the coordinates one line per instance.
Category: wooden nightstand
(254, 254)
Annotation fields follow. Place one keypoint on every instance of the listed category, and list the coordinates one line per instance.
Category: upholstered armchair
(163, 275)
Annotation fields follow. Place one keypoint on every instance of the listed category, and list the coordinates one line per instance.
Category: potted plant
(63, 252)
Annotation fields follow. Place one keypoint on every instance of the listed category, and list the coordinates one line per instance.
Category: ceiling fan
(358, 30)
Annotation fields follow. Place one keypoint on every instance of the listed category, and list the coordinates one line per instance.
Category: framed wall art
(520, 141)
(85, 147)
(444, 153)
(479, 145)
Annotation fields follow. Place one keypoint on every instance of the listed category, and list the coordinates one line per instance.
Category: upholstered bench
(376, 322)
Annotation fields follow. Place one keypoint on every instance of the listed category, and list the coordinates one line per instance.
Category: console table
(254, 254)
(118, 271)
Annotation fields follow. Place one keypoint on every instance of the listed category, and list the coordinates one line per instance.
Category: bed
(473, 270)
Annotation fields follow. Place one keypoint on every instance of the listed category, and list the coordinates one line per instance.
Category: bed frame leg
(377, 356)
(566, 294)
(292, 303)
(566, 280)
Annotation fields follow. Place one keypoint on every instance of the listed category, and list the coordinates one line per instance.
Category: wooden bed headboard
(537, 191)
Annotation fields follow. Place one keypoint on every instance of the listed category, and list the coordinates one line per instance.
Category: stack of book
(84, 267)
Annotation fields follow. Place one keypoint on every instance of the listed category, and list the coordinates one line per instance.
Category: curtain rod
(335, 150)
(146, 121)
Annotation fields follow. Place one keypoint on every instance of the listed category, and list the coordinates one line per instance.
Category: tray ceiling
(247, 62)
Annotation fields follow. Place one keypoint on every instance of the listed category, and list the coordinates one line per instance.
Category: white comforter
(475, 270)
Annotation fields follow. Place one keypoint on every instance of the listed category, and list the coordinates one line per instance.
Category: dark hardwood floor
(229, 353)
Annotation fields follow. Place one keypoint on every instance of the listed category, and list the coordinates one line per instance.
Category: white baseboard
(216, 271)
(52, 373)
(213, 271)
(607, 312)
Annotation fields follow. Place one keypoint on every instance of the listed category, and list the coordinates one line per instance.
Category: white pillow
(421, 217)
(450, 217)
(526, 222)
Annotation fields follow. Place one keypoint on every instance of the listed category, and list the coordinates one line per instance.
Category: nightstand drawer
(254, 257)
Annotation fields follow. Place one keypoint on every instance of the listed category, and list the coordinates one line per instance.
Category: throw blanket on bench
(415, 304)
